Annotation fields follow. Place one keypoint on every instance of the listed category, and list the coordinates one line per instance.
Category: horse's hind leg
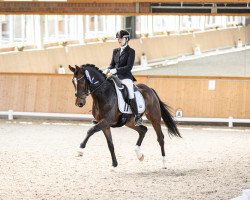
(156, 122)
(142, 131)
(108, 136)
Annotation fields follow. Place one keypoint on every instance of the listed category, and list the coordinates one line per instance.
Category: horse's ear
(72, 69)
(77, 67)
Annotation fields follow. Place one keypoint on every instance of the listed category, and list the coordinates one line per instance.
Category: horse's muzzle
(80, 102)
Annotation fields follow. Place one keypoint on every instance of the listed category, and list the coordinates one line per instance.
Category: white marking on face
(75, 81)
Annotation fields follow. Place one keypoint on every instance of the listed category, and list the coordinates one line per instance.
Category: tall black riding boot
(133, 105)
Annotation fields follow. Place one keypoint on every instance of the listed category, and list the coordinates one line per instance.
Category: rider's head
(123, 37)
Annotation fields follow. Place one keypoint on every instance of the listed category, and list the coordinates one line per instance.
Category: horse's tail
(168, 118)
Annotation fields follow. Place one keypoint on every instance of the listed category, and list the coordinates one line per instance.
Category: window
(100, 23)
(158, 22)
(4, 29)
(96, 26)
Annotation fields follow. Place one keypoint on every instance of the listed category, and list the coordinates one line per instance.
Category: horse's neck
(104, 93)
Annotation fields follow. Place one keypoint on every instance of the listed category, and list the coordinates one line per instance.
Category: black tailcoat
(123, 63)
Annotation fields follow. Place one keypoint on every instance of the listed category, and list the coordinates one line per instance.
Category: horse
(90, 80)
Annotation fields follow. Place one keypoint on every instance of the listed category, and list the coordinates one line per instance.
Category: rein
(97, 87)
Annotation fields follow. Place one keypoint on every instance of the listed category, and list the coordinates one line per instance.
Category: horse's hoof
(139, 154)
(115, 164)
(164, 161)
(141, 158)
(79, 153)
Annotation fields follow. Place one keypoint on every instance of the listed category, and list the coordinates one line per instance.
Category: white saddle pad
(124, 107)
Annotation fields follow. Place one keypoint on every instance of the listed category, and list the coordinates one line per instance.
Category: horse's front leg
(99, 126)
(108, 136)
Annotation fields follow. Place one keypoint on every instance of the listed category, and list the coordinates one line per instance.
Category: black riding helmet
(123, 34)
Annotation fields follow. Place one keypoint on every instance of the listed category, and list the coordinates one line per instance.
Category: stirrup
(138, 121)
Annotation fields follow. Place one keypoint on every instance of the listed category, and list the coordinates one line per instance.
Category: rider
(121, 65)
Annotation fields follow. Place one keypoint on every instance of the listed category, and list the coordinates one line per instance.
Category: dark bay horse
(88, 79)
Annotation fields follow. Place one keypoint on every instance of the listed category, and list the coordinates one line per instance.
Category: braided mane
(92, 65)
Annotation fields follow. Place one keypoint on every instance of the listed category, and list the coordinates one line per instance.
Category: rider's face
(121, 41)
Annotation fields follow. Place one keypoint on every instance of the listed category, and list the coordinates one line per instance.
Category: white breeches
(130, 86)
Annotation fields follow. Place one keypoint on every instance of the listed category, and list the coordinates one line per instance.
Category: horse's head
(85, 80)
(80, 84)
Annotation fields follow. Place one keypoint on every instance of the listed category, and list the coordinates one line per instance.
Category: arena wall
(55, 94)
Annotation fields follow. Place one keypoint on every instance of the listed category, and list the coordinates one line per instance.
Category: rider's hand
(109, 74)
(106, 71)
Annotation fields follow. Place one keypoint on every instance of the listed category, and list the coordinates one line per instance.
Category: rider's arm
(130, 62)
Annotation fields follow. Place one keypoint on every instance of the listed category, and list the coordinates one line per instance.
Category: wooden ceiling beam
(38, 7)
(158, 1)
(100, 8)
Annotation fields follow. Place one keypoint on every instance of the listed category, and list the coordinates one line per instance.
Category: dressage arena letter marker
(178, 113)
(211, 84)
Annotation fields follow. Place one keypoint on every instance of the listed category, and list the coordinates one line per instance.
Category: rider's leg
(132, 100)
(133, 105)
(117, 81)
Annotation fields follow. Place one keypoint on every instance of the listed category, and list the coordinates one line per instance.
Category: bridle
(85, 94)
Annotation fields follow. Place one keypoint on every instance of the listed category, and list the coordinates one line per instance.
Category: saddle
(123, 101)
(122, 88)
